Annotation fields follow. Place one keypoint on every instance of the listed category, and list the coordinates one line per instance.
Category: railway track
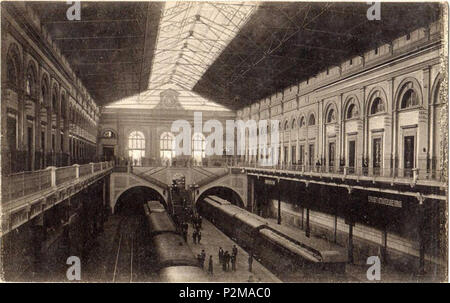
(125, 262)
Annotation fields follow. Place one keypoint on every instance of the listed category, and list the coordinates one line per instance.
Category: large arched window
(409, 99)
(55, 99)
(136, 147)
(377, 106)
(12, 70)
(331, 117)
(352, 111)
(167, 146)
(63, 106)
(312, 120)
(44, 92)
(302, 122)
(30, 82)
(293, 123)
(198, 147)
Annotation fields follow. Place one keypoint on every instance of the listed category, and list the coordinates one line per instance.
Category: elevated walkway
(26, 195)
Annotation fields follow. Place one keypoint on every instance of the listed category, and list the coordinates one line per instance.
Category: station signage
(385, 201)
(270, 182)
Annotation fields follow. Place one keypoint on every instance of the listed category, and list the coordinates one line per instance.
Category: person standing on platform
(199, 236)
(250, 261)
(194, 237)
(227, 260)
(224, 265)
(233, 262)
(234, 250)
(210, 265)
(203, 254)
(201, 261)
(185, 235)
(220, 255)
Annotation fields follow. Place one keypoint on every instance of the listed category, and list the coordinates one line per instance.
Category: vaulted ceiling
(234, 53)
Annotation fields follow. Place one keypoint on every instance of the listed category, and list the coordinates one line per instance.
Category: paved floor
(211, 240)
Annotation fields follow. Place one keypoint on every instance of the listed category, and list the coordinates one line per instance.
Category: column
(422, 235)
(37, 236)
(308, 197)
(279, 202)
(350, 217)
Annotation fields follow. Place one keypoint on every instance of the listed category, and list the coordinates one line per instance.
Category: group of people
(197, 234)
(225, 258)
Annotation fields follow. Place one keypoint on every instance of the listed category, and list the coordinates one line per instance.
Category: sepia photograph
(271, 142)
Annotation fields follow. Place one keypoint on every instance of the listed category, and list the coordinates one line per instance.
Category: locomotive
(175, 261)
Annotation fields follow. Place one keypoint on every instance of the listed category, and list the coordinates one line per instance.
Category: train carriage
(246, 228)
(274, 245)
(219, 215)
(155, 206)
(160, 223)
(176, 274)
(174, 259)
(171, 250)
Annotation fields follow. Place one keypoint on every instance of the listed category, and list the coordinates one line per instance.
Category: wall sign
(270, 182)
(385, 201)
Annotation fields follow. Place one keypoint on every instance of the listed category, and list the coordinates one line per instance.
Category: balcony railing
(414, 173)
(22, 184)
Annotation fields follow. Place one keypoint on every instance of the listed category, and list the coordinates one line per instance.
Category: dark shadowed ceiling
(110, 48)
(284, 43)
(275, 45)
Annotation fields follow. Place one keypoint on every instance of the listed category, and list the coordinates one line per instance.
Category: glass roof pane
(191, 36)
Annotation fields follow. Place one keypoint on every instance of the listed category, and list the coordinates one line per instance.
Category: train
(175, 261)
(272, 244)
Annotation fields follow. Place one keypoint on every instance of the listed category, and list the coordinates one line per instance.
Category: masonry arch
(407, 86)
(223, 192)
(131, 199)
(377, 102)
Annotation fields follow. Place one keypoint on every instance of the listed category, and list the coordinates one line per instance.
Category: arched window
(12, 71)
(44, 93)
(198, 147)
(54, 100)
(331, 116)
(136, 147)
(63, 106)
(302, 122)
(167, 146)
(352, 111)
(286, 125)
(293, 123)
(29, 88)
(312, 120)
(409, 99)
(377, 106)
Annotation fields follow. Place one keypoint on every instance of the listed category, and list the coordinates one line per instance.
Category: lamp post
(193, 187)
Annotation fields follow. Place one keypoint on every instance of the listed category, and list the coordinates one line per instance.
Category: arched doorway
(224, 193)
(131, 201)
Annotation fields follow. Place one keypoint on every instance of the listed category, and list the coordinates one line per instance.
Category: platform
(212, 239)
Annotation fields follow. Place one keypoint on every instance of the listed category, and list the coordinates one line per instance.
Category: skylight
(191, 36)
